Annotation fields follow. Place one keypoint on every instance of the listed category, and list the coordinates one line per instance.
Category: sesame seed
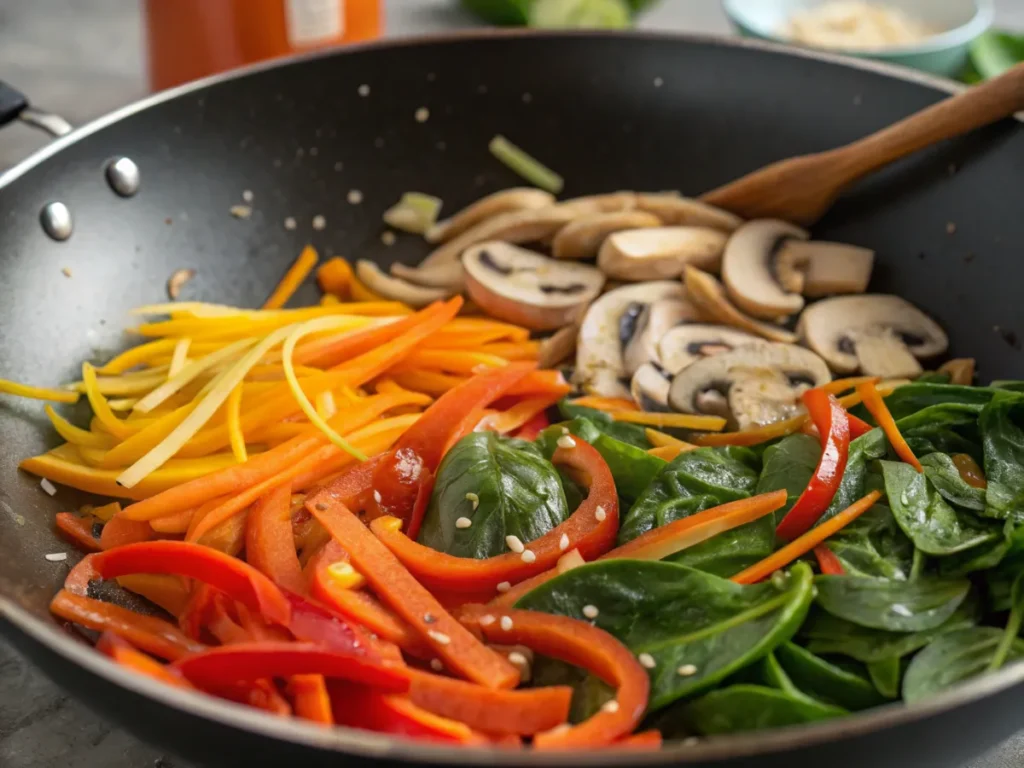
(515, 544)
(439, 637)
(473, 499)
(429, 618)
(504, 586)
(600, 514)
(563, 543)
(241, 211)
(436, 665)
(951, 228)
(518, 659)
(66, 271)
(364, 90)
(313, 151)
(692, 741)
(56, 557)
(339, 165)
(506, 623)
(388, 238)
(463, 522)
(319, 222)
(658, 82)
(611, 707)
(647, 661)
(47, 486)
(321, 507)
(687, 670)
(527, 98)
(486, 620)
(377, 496)
(528, 556)
(422, 115)
(355, 197)
(247, 195)
(590, 611)
(565, 430)
(566, 441)
(290, 223)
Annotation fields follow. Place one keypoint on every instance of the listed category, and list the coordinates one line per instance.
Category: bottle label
(312, 22)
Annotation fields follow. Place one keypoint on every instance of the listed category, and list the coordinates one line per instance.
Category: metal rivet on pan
(123, 176)
(56, 220)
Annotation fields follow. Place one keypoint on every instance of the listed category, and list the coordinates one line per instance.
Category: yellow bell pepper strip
(8, 387)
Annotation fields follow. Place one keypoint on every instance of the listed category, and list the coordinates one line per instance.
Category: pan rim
(378, 746)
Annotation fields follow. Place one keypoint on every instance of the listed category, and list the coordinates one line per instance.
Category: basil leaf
(946, 478)
(885, 675)
(633, 434)
(826, 681)
(519, 493)
(953, 658)
(742, 708)
(789, 465)
(874, 545)
(935, 527)
(1003, 442)
(682, 617)
(896, 606)
(913, 398)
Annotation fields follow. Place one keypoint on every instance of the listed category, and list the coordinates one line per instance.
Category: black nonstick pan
(608, 111)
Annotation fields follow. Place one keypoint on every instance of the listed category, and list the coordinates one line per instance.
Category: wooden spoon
(803, 188)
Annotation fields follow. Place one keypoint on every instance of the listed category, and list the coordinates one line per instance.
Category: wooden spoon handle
(976, 107)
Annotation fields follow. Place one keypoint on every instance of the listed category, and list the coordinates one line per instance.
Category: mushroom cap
(684, 345)
(831, 327)
(709, 295)
(828, 268)
(450, 276)
(657, 253)
(503, 201)
(517, 226)
(656, 319)
(748, 273)
(599, 348)
(581, 238)
(378, 281)
(527, 288)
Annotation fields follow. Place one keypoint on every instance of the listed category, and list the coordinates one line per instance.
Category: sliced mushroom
(649, 387)
(397, 289)
(709, 295)
(818, 269)
(761, 383)
(879, 334)
(449, 276)
(748, 271)
(607, 329)
(582, 237)
(676, 210)
(558, 347)
(515, 199)
(684, 345)
(960, 370)
(524, 287)
(660, 252)
(656, 319)
(512, 227)
(605, 203)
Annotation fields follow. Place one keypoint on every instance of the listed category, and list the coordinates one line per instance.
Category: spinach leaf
(933, 377)
(684, 618)
(981, 558)
(874, 545)
(896, 606)
(789, 465)
(912, 398)
(1003, 442)
(633, 434)
(944, 428)
(825, 681)
(693, 482)
(865, 449)
(742, 708)
(589, 692)
(517, 492)
(953, 658)
(885, 676)
(1008, 384)
(935, 527)
(945, 476)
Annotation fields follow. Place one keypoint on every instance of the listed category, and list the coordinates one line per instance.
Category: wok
(609, 111)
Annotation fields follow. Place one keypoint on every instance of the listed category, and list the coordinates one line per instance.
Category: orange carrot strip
(852, 382)
(310, 698)
(430, 382)
(513, 350)
(519, 414)
(606, 403)
(293, 278)
(880, 411)
(121, 651)
(120, 531)
(269, 545)
(78, 530)
(667, 452)
(645, 740)
(335, 277)
(173, 524)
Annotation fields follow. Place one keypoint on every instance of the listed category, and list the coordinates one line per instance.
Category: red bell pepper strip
(645, 740)
(582, 645)
(78, 530)
(828, 562)
(858, 426)
(393, 584)
(311, 699)
(484, 709)
(153, 635)
(833, 425)
(591, 529)
(873, 401)
(235, 578)
(125, 654)
(245, 662)
(199, 609)
(259, 694)
(316, 624)
(269, 544)
(534, 427)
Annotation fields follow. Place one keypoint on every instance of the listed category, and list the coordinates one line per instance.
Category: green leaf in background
(874, 545)
(742, 708)
(789, 465)
(994, 52)
(946, 478)
(885, 676)
(1003, 442)
(516, 490)
(587, 14)
(895, 606)
(633, 434)
(588, 691)
(698, 628)
(913, 398)
(1010, 385)
(953, 658)
(864, 450)
(826, 681)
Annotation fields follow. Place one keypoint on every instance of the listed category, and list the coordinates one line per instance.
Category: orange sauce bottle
(188, 39)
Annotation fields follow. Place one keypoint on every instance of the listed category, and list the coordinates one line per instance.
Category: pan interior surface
(607, 112)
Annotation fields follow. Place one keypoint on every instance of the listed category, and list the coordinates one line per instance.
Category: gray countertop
(82, 58)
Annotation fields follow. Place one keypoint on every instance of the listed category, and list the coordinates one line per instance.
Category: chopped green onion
(594, 14)
(415, 212)
(530, 169)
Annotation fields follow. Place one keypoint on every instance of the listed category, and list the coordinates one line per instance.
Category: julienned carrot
(667, 452)
(880, 411)
(429, 382)
(121, 651)
(605, 403)
(512, 350)
(516, 416)
(675, 420)
(538, 382)
(176, 523)
(458, 648)
(120, 531)
(827, 561)
(269, 544)
(852, 382)
(335, 277)
(807, 542)
(310, 698)
(358, 706)
(293, 278)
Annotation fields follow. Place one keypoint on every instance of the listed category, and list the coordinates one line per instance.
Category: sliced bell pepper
(237, 579)
(315, 624)
(269, 544)
(591, 529)
(583, 645)
(244, 662)
(357, 706)
(534, 427)
(858, 426)
(828, 562)
(310, 698)
(457, 647)
(494, 711)
(125, 654)
(833, 426)
(645, 740)
(873, 401)
(78, 530)
(153, 635)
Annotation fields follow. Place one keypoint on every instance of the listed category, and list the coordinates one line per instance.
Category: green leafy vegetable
(945, 476)
(633, 434)
(1003, 441)
(698, 628)
(588, 691)
(995, 51)
(953, 658)
(741, 708)
(826, 681)
(914, 398)
(503, 485)
(885, 675)
(600, 14)
(896, 606)
(874, 545)
(789, 465)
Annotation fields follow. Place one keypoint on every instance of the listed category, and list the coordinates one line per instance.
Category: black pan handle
(15, 106)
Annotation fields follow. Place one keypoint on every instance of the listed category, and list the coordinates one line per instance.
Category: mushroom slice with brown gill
(654, 321)
(673, 209)
(526, 288)
(684, 345)
(503, 201)
(449, 276)
(705, 291)
(760, 384)
(659, 253)
(815, 268)
(748, 270)
(397, 289)
(879, 334)
(607, 328)
(581, 238)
